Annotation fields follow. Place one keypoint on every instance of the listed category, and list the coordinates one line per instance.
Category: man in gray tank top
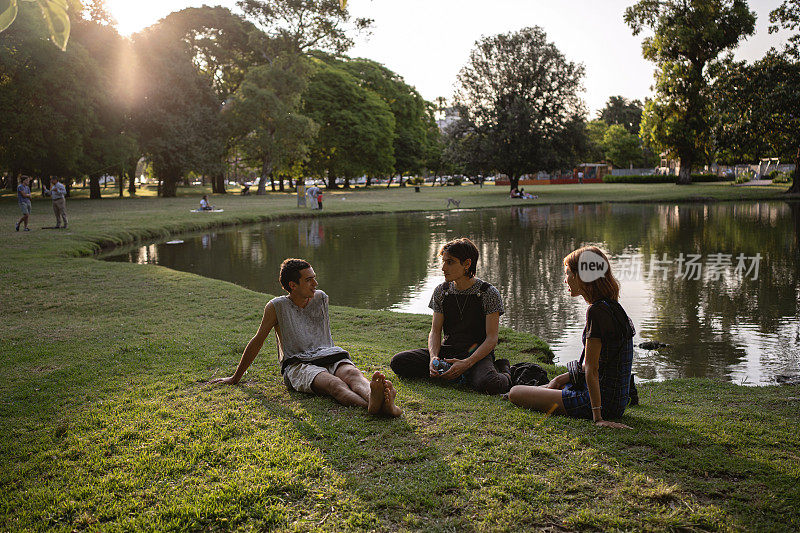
(310, 362)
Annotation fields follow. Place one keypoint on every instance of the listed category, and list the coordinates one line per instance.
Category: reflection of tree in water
(702, 319)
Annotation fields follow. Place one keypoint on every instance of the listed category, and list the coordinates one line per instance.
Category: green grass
(107, 422)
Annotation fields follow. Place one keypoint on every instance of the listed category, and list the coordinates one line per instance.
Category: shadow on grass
(392, 478)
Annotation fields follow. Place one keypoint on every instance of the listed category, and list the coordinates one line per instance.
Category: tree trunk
(280, 182)
(513, 182)
(685, 173)
(219, 181)
(266, 170)
(369, 182)
(132, 166)
(331, 183)
(68, 187)
(121, 183)
(94, 187)
(169, 187)
(272, 181)
(389, 183)
(795, 188)
(289, 179)
(347, 183)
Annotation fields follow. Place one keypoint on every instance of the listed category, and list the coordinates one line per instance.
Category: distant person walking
(59, 194)
(24, 200)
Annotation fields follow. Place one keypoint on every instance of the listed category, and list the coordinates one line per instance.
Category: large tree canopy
(265, 114)
(178, 116)
(518, 97)
(407, 106)
(356, 132)
(688, 36)
(626, 113)
(48, 100)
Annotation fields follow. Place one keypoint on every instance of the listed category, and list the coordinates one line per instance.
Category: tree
(758, 109)
(688, 37)
(111, 147)
(47, 101)
(356, 132)
(595, 135)
(518, 98)
(620, 110)
(787, 16)
(178, 114)
(621, 147)
(222, 48)
(408, 107)
(265, 115)
(302, 25)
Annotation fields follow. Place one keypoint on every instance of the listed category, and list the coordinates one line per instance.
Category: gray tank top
(304, 333)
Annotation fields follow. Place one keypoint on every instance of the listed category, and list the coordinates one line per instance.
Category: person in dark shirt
(464, 329)
(597, 385)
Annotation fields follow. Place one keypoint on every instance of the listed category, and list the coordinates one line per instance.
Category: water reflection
(726, 326)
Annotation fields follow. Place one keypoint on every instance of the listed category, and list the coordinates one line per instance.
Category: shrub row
(698, 178)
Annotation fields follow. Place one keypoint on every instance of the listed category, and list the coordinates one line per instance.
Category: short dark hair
(463, 249)
(290, 271)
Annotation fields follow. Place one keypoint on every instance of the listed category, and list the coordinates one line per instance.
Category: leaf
(343, 4)
(7, 13)
(55, 15)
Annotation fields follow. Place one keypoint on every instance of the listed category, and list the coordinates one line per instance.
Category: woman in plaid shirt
(597, 385)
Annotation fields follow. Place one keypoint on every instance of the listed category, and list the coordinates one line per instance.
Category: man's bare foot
(376, 393)
(389, 394)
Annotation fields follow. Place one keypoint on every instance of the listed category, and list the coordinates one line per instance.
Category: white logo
(591, 266)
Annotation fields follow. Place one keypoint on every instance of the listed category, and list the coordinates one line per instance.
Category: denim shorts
(578, 404)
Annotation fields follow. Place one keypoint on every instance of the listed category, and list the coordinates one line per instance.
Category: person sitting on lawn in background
(204, 205)
(468, 311)
(597, 386)
(310, 362)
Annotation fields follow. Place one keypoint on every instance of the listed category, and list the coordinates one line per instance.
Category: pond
(719, 283)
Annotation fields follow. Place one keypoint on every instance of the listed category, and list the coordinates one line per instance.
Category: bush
(419, 180)
(696, 178)
(780, 177)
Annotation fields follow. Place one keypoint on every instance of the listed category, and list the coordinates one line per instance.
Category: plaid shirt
(616, 360)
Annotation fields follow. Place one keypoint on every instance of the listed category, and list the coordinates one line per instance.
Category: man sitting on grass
(310, 362)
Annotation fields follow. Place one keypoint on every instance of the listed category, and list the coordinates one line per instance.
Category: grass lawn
(107, 422)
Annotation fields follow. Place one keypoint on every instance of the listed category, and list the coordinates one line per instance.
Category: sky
(429, 41)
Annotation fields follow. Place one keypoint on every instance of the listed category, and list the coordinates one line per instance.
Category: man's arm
(462, 365)
(269, 321)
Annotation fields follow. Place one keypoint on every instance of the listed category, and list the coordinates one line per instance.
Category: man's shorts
(301, 375)
(25, 207)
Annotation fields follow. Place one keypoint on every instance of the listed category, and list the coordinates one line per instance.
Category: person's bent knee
(402, 365)
(493, 385)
